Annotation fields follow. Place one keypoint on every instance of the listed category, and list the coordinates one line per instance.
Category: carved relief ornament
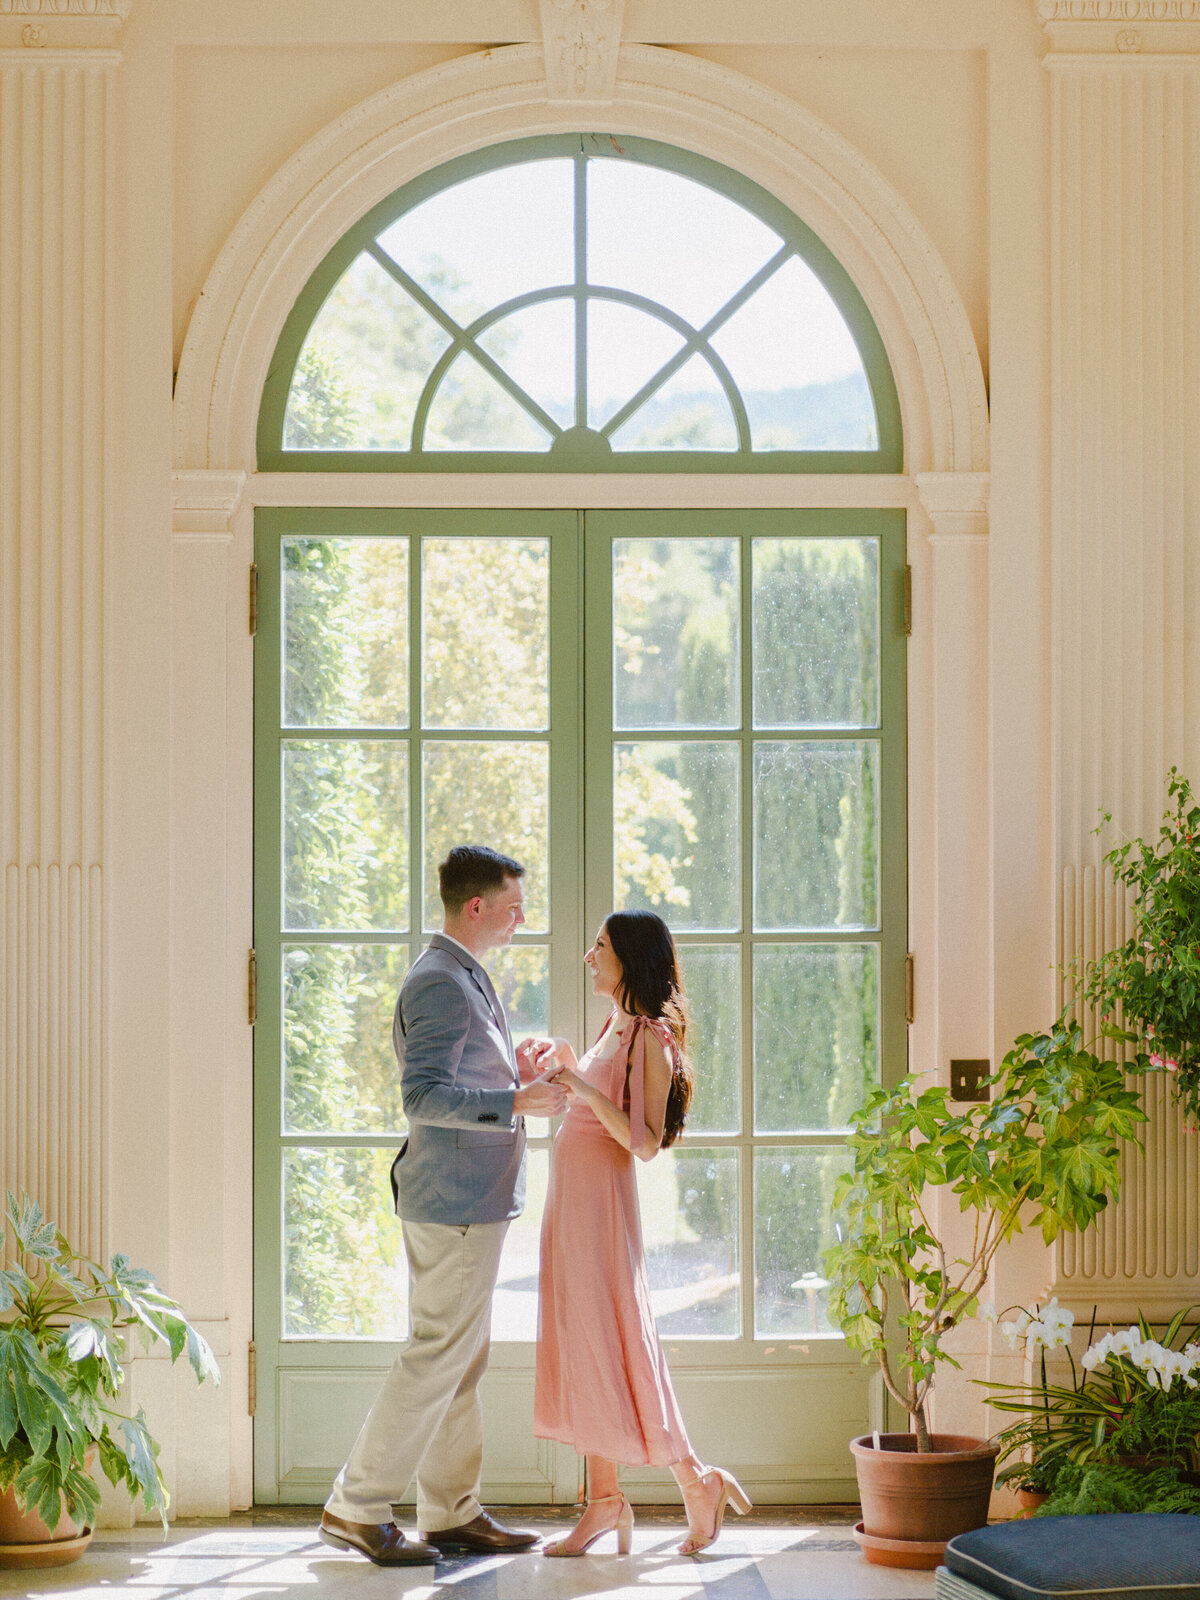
(581, 39)
(48, 10)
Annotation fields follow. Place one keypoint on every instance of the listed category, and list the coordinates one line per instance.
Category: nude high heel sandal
(622, 1524)
(730, 1493)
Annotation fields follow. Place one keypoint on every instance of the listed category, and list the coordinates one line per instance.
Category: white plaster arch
(485, 98)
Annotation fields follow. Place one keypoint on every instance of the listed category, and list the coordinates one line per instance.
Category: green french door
(701, 713)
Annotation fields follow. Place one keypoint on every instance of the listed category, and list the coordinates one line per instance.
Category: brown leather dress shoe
(381, 1542)
(484, 1534)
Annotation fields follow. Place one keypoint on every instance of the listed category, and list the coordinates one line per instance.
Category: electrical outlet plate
(966, 1080)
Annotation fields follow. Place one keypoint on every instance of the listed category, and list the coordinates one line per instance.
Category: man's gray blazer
(464, 1158)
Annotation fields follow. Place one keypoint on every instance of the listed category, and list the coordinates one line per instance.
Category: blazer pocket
(469, 1136)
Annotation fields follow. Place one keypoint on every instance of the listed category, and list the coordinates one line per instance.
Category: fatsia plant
(1044, 1149)
(64, 1322)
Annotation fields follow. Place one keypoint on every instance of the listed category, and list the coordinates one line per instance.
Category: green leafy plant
(63, 1322)
(1138, 1397)
(1088, 1488)
(1151, 983)
(1044, 1148)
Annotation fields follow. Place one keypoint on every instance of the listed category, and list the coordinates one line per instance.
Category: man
(458, 1182)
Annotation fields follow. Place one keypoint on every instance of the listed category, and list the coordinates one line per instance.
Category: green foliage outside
(63, 1326)
(677, 838)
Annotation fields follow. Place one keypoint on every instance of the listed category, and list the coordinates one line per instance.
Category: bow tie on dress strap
(637, 1074)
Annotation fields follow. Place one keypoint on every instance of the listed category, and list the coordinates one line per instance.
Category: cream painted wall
(949, 102)
(240, 112)
(921, 117)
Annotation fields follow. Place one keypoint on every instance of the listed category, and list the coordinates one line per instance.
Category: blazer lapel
(486, 988)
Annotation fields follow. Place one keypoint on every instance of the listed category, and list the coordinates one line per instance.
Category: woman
(602, 1381)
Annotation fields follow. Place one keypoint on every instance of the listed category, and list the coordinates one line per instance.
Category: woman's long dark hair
(652, 986)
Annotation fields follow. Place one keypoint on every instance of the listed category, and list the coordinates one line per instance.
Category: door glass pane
(676, 613)
(689, 412)
(794, 1224)
(676, 843)
(521, 975)
(495, 793)
(363, 366)
(816, 1034)
(712, 976)
(689, 1206)
(670, 238)
(345, 633)
(514, 1307)
(485, 633)
(345, 834)
(795, 361)
(344, 1270)
(490, 238)
(339, 1068)
(816, 835)
(816, 633)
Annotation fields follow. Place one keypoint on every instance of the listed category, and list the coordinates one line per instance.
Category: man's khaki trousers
(427, 1419)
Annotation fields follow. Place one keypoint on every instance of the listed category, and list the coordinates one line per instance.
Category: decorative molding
(1051, 11)
(204, 504)
(95, 10)
(581, 40)
(956, 503)
(463, 105)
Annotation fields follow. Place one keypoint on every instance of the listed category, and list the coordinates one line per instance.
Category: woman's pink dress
(602, 1383)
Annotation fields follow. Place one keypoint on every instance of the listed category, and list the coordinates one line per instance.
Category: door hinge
(908, 609)
(909, 987)
(252, 1380)
(253, 598)
(252, 988)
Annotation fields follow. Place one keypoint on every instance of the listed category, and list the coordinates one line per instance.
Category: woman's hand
(540, 1054)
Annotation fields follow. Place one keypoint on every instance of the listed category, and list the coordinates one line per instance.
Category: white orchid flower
(1097, 1355)
(1035, 1335)
(1125, 1342)
(987, 1311)
(1056, 1316)
(1058, 1338)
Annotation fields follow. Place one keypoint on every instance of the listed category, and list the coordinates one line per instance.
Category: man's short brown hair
(473, 869)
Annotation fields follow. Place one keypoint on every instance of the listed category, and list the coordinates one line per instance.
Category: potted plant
(1031, 1447)
(1043, 1148)
(63, 1326)
(1122, 1437)
(1152, 981)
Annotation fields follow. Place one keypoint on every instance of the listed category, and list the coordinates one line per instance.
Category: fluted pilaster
(1126, 441)
(54, 208)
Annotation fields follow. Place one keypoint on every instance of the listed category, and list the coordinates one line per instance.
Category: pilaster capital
(1119, 32)
(956, 503)
(581, 40)
(204, 504)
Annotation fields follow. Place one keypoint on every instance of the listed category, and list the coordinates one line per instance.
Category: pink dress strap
(637, 1073)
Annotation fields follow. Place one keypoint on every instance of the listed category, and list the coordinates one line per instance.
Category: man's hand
(539, 1098)
(530, 1054)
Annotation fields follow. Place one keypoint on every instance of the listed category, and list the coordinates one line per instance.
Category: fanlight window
(581, 301)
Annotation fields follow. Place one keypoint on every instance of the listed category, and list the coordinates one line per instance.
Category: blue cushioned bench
(1132, 1556)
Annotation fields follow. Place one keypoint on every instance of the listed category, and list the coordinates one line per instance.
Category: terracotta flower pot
(1030, 1499)
(26, 1541)
(913, 1499)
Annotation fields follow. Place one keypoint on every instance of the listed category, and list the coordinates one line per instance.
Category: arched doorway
(697, 710)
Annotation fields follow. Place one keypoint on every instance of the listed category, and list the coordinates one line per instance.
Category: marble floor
(781, 1553)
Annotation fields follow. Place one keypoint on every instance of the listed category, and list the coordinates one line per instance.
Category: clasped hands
(547, 1074)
